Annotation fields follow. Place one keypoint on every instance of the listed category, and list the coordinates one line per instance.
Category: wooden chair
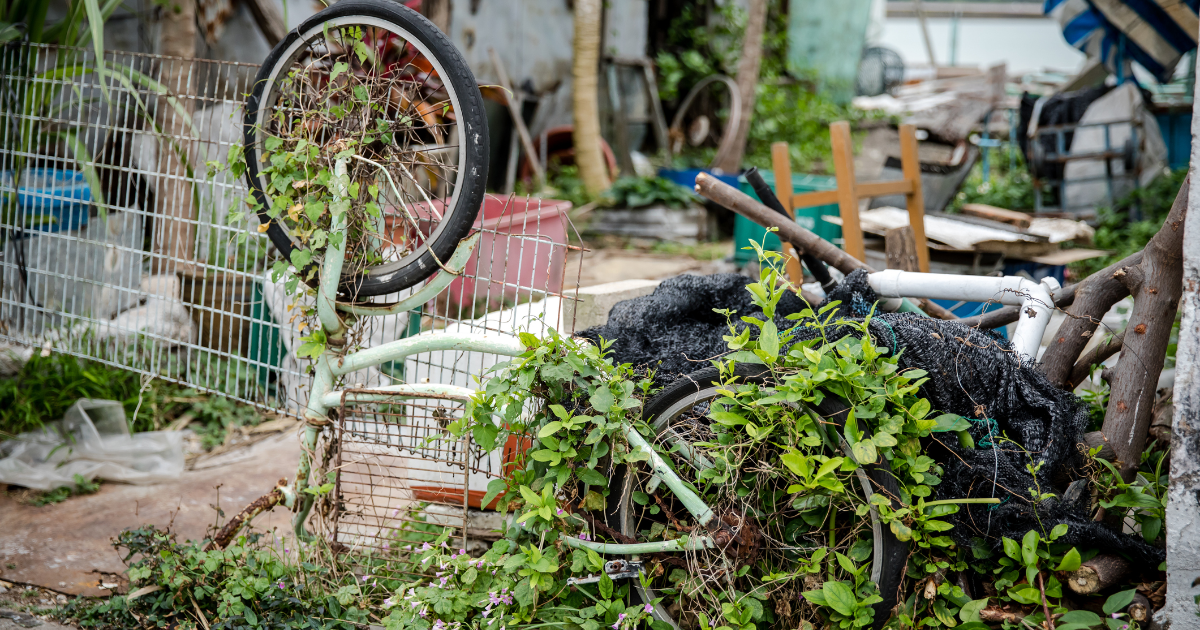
(849, 192)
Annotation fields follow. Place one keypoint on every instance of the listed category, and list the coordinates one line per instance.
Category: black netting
(973, 373)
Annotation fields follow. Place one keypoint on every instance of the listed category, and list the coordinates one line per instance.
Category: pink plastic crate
(521, 252)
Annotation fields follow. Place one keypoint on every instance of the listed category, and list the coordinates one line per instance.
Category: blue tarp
(1154, 33)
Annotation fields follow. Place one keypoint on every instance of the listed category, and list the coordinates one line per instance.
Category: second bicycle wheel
(376, 84)
(775, 538)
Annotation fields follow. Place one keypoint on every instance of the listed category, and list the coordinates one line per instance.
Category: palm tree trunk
(585, 100)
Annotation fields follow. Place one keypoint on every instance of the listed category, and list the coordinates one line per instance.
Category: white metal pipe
(1034, 298)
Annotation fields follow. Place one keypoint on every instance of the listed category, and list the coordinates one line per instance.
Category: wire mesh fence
(115, 243)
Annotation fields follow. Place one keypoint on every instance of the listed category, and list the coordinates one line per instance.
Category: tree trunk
(1183, 491)
(747, 80)
(1093, 297)
(1155, 302)
(174, 233)
(584, 96)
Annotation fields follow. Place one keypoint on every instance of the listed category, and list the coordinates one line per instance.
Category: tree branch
(1095, 356)
(1135, 379)
(1093, 297)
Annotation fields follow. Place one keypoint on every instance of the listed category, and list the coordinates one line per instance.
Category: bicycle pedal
(615, 569)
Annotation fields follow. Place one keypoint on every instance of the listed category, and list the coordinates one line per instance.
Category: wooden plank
(901, 247)
(782, 168)
(269, 19)
(1011, 217)
(847, 197)
(519, 122)
(882, 189)
(810, 199)
(911, 165)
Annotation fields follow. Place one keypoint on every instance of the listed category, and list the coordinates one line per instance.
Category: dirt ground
(67, 546)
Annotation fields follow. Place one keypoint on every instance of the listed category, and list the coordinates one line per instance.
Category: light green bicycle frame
(335, 317)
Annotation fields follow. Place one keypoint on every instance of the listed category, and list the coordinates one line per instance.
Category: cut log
(984, 211)
(584, 96)
(1093, 297)
(1098, 574)
(1096, 439)
(747, 79)
(901, 246)
(1139, 609)
(1134, 383)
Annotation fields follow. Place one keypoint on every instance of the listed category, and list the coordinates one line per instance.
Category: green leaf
(1070, 561)
(768, 339)
(1012, 549)
(494, 488)
(485, 434)
(1085, 617)
(550, 429)
(1119, 601)
(840, 597)
(816, 597)
(949, 422)
(602, 400)
(591, 477)
(1059, 531)
(1029, 546)
(970, 610)
(606, 586)
(864, 452)
(1026, 595)
(338, 68)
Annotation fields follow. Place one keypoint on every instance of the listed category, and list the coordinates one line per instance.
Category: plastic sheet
(93, 441)
(973, 373)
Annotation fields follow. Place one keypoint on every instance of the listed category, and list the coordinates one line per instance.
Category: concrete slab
(67, 547)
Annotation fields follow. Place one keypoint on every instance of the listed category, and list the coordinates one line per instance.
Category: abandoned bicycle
(366, 153)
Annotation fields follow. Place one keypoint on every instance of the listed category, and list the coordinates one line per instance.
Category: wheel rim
(429, 225)
(670, 431)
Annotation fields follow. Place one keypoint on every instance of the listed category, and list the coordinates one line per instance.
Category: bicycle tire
(473, 163)
(889, 554)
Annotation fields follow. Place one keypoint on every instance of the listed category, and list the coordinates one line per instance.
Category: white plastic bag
(92, 440)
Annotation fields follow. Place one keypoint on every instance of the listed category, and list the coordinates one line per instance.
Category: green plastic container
(745, 230)
(265, 345)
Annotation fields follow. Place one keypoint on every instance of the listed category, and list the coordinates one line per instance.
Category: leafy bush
(1128, 227)
(1010, 185)
(641, 192)
(48, 385)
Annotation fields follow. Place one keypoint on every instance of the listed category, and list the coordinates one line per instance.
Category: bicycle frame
(335, 317)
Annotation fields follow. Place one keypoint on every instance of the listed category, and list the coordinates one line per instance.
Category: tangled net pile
(972, 373)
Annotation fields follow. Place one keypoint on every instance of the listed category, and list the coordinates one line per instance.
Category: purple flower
(462, 552)
(366, 577)
(560, 512)
(649, 608)
(388, 603)
(426, 547)
(1116, 615)
(279, 584)
(438, 625)
(583, 536)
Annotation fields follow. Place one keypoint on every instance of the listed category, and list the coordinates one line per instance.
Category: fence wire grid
(115, 247)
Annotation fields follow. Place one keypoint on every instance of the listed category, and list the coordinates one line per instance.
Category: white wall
(1026, 44)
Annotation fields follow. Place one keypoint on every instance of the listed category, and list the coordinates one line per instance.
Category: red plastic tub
(520, 254)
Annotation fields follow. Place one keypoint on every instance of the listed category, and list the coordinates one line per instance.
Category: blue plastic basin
(53, 200)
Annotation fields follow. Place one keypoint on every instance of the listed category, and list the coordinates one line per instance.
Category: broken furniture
(849, 191)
